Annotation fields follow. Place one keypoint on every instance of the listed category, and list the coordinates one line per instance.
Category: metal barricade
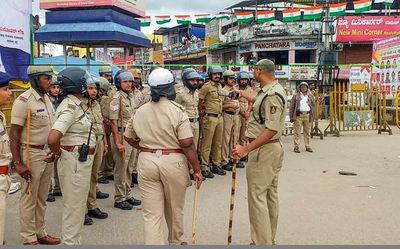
(357, 109)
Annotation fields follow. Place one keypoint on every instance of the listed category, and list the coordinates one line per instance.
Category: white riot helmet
(161, 82)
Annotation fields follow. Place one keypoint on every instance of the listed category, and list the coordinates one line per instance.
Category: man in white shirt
(302, 112)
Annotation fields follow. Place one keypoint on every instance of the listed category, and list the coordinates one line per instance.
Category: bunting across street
(265, 16)
(313, 13)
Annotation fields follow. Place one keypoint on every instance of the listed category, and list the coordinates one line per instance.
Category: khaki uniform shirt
(112, 91)
(5, 151)
(273, 111)
(244, 103)
(92, 107)
(159, 125)
(228, 101)
(128, 102)
(190, 101)
(210, 92)
(42, 116)
(105, 106)
(73, 122)
(146, 93)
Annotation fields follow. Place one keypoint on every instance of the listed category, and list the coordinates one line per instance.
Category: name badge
(40, 110)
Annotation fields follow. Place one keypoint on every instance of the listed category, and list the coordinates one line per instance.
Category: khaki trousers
(107, 166)
(303, 120)
(163, 181)
(32, 209)
(55, 184)
(75, 182)
(122, 171)
(98, 157)
(5, 183)
(196, 133)
(211, 141)
(242, 131)
(230, 136)
(262, 172)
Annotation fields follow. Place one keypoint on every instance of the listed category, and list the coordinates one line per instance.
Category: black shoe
(218, 171)
(57, 193)
(88, 221)
(111, 177)
(97, 213)
(207, 174)
(132, 184)
(241, 164)
(134, 202)
(124, 205)
(103, 180)
(51, 198)
(135, 178)
(101, 195)
(227, 167)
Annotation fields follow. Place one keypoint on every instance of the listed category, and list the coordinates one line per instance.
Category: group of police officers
(72, 131)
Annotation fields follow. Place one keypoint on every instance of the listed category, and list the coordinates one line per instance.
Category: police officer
(72, 140)
(231, 120)
(210, 109)
(122, 107)
(107, 166)
(162, 132)
(106, 170)
(54, 90)
(92, 107)
(244, 81)
(107, 73)
(138, 84)
(33, 114)
(54, 189)
(252, 83)
(5, 155)
(265, 153)
(188, 97)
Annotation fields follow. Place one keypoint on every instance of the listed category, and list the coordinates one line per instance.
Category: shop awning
(94, 34)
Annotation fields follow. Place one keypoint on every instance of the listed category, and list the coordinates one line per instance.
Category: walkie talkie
(84, 151)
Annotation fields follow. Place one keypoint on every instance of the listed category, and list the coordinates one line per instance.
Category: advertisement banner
(303, 72)
(360, 75)
(366, 28)
(386, 65)
(15, 42)
(136, 7)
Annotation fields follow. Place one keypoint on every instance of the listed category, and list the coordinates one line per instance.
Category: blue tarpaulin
(58, 63)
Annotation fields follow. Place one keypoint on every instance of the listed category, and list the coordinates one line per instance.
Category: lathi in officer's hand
(240, 151)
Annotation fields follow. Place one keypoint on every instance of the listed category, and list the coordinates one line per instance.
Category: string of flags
(265, 16)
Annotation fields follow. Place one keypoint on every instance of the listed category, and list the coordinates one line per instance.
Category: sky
(169, 7)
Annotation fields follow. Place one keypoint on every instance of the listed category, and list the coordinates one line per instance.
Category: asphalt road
(317, 205)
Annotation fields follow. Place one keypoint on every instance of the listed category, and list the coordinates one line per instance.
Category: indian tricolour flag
(184, 19)
(223, 16)
(291, 15)
(385, 2)
(145, 22)
(337, 9)
(362, 6)
(203, 18)
(243, 17)
(264, 16)
(160, 20)
(313, 13)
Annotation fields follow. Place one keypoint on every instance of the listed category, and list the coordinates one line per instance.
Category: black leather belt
(193, 120)
(304, 112)
(231, 112)
(213, 115)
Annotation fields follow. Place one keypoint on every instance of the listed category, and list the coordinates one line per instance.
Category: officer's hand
(240, 151)
(50, 157)
(22, 170)
(120, 148)
(105, 150)
(107, 122)
(246, 115)
(198, 178)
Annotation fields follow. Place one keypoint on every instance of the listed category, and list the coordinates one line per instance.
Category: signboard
(15, 43)
(386, 65)
(366, 28)
(136, 7)
(271, 45)
(281, 72)
(245, 48)
(305, 45)
(360, 75)
(303, 72)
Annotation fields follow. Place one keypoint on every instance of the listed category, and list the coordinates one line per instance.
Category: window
(305, 56)
(279, 57)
